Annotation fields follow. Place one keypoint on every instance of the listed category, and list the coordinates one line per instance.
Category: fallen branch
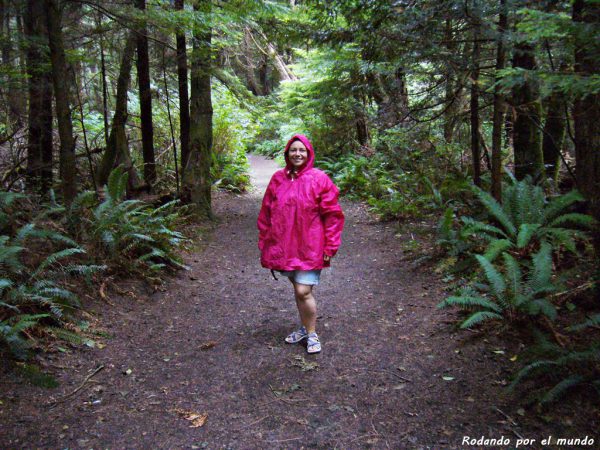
(85, 381)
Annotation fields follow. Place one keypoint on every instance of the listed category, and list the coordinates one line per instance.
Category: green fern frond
(26, 321)
(470, 302)
(163, 208)
(117, 183)
(7, 198)
(542, 306)
(479, 317)
(69, 336)
(24, 232)
(513, 274)
(495, 210)
(472, 227)
(9, 257)
(85, 199)
(85, 269)
(57, 256)
(562, 237)
(574, 220)
(526, 232)
(559, 389)
(534, 367)
(592, 321)
(494, 277)
(495, 248)
(558, 204)
(541, 272)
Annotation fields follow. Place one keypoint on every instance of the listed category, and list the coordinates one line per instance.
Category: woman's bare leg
(307, 306)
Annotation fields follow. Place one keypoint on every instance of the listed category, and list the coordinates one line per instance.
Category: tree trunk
(474, 106)
(39, 138)
(554, 134)
(143, 72)
(587, 117)
(184, 103)
(451, 98)
(12, 84)
(196, 180)
(499, 107)
(527, 141)
(117, 150)
(104, 85)
(60, 79)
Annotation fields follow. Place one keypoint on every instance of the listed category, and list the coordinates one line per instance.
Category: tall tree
(527, 143)
(60, 79)
(184, 102)
(499, 106)
(474, 103)
(586, 14)
(143, 72)
(117, 150)
(39, 138)
(196, 179)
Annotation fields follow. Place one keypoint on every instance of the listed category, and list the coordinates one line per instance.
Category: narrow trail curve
(212, 342)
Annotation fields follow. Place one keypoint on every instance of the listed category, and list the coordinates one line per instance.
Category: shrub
(131, 233)
(508, 294)
(35, 263)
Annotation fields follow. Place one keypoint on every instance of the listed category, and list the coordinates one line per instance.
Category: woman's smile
(297, 154)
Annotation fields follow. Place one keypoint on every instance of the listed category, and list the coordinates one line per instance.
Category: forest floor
(201, 362)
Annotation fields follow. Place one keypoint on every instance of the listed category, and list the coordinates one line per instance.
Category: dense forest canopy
(482, 112)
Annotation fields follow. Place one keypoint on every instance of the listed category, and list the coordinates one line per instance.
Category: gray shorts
(308, 277)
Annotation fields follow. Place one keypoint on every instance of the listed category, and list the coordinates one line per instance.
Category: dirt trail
(392, 374)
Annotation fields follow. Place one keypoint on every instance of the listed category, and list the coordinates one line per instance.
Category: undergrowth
(525, 248)
(43, 246)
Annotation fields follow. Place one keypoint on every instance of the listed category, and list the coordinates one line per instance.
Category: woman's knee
(303, 292)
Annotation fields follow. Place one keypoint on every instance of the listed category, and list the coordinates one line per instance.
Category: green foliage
(35, 262)
(232, 131)
(508, 294)
(132, 234)
(523, 220)
(558, 369)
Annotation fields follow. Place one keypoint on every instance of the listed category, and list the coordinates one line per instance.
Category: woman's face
(297, 154)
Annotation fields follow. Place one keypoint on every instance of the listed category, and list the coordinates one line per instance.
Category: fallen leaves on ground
(197, 419)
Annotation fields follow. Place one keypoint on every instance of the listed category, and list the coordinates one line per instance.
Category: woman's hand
(326, 258)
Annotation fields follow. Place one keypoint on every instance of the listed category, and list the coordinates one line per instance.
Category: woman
(300, 227)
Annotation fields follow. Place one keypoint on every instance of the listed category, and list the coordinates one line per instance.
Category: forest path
(392, 373)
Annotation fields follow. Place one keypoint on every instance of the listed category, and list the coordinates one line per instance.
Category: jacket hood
(311, 154)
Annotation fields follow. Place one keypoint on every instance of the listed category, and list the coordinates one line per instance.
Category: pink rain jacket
(300, 219)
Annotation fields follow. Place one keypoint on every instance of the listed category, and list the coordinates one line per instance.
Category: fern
(479, 317)
(495, 248)
(495, 210)
(494, 277)
(526, 232)
(593, 321)
(469, 302)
